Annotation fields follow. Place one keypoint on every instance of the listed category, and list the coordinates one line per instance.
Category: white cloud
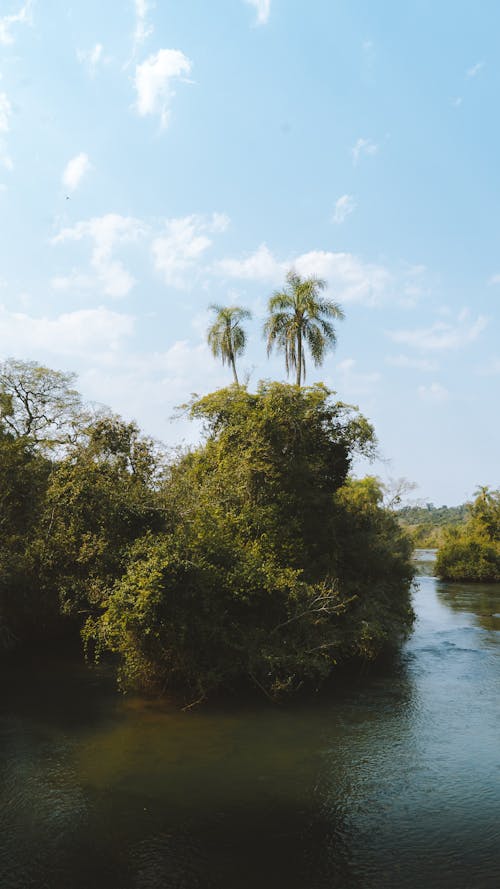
(263, 10)
(457, 101)
(350, 279)
(434, 393)
(442, 335)
(183, 242)
(74, 281)
(363, 147)
(23, 17)
(344, 206)
(411, 363)
(143, 29)
(356, 382)
(75, 170)
(474, 70)
(495, 279)
(5, 115)
(107, 232)
(258, 266)
(491, 368)
(80, 333)
(92, 58)
(153, 82)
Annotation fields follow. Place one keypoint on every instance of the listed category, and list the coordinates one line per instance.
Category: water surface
(391, 780)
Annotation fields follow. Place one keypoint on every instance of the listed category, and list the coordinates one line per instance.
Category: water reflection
(482, 601)
(391, 779)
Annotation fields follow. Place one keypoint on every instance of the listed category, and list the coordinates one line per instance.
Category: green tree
(273, 567)
(226, 336)
(299, 316)
(24, 611)
(40, 404)
(471, 552)
(101, 497)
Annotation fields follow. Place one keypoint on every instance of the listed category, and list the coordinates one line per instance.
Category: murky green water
(393, 781)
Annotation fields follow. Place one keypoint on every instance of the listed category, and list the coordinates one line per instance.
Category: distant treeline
(426, 524)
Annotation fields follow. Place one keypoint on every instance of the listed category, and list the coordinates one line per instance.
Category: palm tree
(226, 336)
(298, 315)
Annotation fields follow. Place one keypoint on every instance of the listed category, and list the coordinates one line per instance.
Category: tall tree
(298, 315)
(39, 404)
(226, 337)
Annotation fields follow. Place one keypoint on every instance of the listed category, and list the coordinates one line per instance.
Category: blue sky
(157, 157)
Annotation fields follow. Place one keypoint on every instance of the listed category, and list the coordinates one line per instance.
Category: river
(393, 780)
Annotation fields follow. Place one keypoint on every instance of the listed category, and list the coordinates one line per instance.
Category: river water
(393, 780)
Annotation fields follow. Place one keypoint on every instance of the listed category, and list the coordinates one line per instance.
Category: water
(391, 781)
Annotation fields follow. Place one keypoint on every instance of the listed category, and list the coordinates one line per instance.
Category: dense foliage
(472, 552)
(254, 557)
(276, 566)
(427, 524)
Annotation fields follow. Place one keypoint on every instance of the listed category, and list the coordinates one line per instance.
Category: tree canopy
(253, 558)
(472, 551)
(39, 404)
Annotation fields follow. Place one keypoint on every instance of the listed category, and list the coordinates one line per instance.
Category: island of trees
(471, 551)
(252, 558)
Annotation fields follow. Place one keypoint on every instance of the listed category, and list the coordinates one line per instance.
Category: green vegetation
(298, 316)
(274, 566)
(226, 337)
(472, 552)
(253, 557)
(427, 524)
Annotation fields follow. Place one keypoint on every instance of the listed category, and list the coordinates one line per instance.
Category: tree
(100, 499)
(275, 567)
(39, 404)
(226, 337)
(471, 552)
(298, 315)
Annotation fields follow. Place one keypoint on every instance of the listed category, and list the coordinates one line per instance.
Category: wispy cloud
(457, 101)
(363, 147)
(355, 382)
(435, 393)
(83, 332)
(5, 115)
(143, 28)
(263, 10)
(474, 70)
(344, 206)
(178, 249)
(442, 335)
(75, 170)
(495, 279)
(154, 79)
(107, 233)
(410, 362)
(352, 279)
(92, 58)
(7, 22)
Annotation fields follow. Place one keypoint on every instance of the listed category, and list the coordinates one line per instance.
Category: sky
(157, 157)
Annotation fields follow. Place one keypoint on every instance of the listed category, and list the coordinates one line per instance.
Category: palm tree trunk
(299, 357)
(233, 365)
